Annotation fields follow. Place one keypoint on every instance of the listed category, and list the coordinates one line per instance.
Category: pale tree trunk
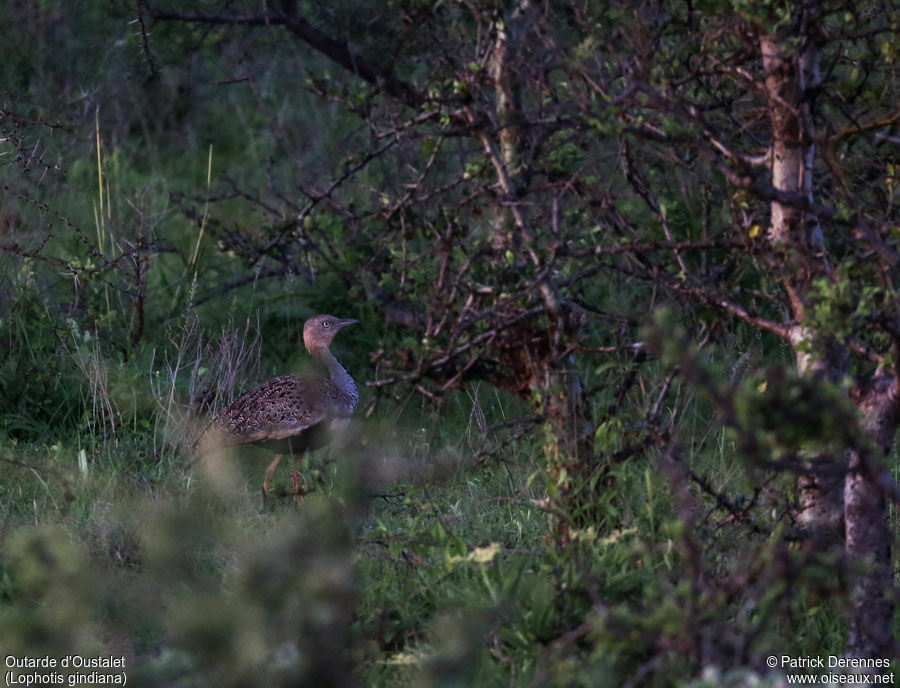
(831, 505)
(868, 535)
(798, 240)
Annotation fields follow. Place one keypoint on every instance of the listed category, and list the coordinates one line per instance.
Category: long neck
(339, 375)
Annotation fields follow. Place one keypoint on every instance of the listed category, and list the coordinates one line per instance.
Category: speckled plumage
(281, 408)
(290, 414)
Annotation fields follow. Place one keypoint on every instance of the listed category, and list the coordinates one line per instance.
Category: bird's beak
(348, 321)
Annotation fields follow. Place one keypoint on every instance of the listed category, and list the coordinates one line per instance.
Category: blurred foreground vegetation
(179, 196)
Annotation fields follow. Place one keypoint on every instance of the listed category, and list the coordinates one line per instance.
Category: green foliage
(841, 306)
(244, 181)
(38, 382)
(790, 412)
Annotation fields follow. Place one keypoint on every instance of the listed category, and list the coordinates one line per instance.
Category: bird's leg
(270, 471)
(297, 477)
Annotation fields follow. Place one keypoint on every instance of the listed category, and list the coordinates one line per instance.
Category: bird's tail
(206, 440)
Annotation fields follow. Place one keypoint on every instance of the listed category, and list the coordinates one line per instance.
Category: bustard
(290, 414)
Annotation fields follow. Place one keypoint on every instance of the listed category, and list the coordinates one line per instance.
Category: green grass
(424, 553)
(409, 564)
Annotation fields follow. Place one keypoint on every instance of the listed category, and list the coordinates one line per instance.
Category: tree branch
(338, 51)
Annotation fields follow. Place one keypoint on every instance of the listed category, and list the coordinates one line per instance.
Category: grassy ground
(422, 555)
(141, 543)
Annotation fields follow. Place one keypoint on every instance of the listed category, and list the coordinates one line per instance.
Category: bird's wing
(281, 407)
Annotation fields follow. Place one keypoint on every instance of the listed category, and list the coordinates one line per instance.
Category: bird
(290, 414)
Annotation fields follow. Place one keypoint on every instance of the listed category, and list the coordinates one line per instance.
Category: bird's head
(319, 330)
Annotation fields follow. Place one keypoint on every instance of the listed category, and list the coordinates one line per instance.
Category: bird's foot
(297, 477)
(270, 472)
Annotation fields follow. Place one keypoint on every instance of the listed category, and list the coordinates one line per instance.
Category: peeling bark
(792, 77)
(855, 506)
(868, 536)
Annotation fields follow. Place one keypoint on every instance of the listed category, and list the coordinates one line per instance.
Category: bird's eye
(326, 323)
